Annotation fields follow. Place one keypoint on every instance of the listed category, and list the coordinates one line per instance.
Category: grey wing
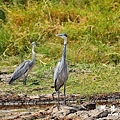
(65, 71)
(21, 69)
(60, 75)
(57, 71)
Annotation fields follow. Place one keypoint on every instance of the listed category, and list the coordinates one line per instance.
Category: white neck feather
(65, 40)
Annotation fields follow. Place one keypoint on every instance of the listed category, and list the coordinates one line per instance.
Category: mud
(23, 107)
(44, 107)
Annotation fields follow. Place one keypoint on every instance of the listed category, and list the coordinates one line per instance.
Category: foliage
(93, 28)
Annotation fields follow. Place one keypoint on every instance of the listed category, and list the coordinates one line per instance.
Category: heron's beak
(59, 35)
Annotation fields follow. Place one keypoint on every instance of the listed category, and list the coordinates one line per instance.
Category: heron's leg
(64, 93)
(58, 100)
(24, 79)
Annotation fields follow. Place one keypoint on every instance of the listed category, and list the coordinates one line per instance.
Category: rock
(72, 111)
(78, 107)
(60, 114)
(25, 113)
(82, 115)
(102, 114)
(89, 105)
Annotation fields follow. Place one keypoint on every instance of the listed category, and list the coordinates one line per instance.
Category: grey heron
(61, 71)
(23, 69)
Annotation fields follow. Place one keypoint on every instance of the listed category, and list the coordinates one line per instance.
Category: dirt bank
(23, 107)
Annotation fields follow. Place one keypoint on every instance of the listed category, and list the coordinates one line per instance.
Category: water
(10, 111)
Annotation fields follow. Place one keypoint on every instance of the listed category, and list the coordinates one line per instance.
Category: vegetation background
(93, 50)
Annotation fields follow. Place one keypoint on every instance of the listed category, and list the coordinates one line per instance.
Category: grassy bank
(93, 49)
(84, 79)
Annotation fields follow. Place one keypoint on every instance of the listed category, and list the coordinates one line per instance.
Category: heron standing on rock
(23, 69)
(61, 71)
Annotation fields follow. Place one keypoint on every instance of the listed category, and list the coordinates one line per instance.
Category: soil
(44, 107)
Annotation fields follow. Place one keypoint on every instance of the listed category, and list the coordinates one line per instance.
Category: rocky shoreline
(98, 107)
(21, 99)
(68, 113)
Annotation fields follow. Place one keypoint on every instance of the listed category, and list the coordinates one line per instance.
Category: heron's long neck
(33, 54)
(64, 52)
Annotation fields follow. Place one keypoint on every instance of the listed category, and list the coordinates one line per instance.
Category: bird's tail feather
(11, 80)
(57, 87)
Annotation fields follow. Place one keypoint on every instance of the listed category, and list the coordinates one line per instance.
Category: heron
(24, 68)
(61, 71)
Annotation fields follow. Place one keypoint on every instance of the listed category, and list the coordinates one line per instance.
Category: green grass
(93, 49)
(96, 79)
(84, 79)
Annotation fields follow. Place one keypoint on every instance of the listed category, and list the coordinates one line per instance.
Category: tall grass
(92, 28)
